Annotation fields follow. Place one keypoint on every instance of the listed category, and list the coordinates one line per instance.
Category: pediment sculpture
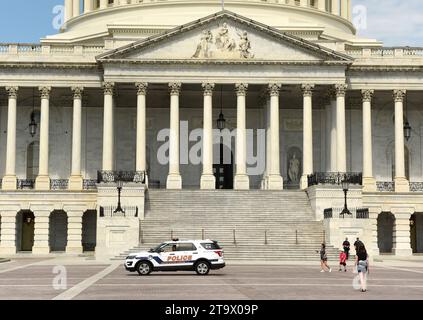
(222, 45)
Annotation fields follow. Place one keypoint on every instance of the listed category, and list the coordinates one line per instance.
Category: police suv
(188, 255)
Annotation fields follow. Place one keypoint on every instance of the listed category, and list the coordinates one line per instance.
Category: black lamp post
(119, 188)
(345, 187)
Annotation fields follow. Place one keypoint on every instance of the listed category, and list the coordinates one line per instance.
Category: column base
(275, 182)
(8, 250)
(241, 182)
(42, 183)
(304, 182)
(208, 182)
(402, 185)
(264, 183)
(40, 250)
(74, 250)
(76, 183)
(369, 184)
(174, 181)
(403, 252)
(9, 183)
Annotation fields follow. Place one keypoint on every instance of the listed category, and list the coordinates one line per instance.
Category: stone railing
(334, 178)
(110, 212)
(336, 213)
(52, 50)
(385, 52)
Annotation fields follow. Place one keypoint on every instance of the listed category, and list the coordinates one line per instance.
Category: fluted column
(104, 4)
(76, 180)
(141, 160)
(322, 5)
(41, 232)
(68, 10)
(8, 232)
(74, 244)
(335, 7)
(241, 181)
(88, 6)
(344, 9)
(174, 179)
(349, 8)
(401, 182)
(369, 182)
(43, 181)
(333, 134)
(208, 180)
(265, 181)
(275, 179)
(307, 134)
(341, 140)
(9, 180)
(108, 127)
(76, 8)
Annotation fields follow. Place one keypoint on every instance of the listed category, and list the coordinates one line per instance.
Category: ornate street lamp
(407, 127)
(33, 124)
(345, 186)
(221, 122)
(119, 209)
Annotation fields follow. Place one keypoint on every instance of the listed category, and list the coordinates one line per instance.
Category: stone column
(108, 127)
(373, 247)
(88, 6)
(174, 179)
(8, 232)
(265, 181)
(43, 180)
(341, 140)
(349, 8)
(401, 182)
(344, 9)
(104, 4)
(304, 3)
(68, 10)
(76, 8)
(9, 180)
(402, 237)
(74, 244)
(369, 182)
(208, 180)
(333, 137)
(41, 232)
(335, 7)
(275, 179)
(76, 180)
(241, 181)
(307, 134)
(322, 5)
(141, 162)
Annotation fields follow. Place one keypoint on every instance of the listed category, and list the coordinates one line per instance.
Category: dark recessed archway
(58, 231)
(89, 230)
(416, 232)
(25, 226)
(385, 232)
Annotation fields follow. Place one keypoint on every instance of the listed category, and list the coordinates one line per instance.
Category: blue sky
(395, 22)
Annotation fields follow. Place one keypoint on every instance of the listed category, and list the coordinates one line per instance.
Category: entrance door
(224, 172)
(27, 231)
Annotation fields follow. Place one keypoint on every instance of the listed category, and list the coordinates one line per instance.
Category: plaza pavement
(66, 278)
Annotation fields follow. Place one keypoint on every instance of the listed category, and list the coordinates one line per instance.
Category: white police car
(188, 255)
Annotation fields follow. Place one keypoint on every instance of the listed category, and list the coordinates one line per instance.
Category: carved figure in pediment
(223, 41)
(203, 47)
(244, 45)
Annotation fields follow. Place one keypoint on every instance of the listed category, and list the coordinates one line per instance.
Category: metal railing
(334, 178)
(356, 213)
(22, 184)
(124, 176)
(389, 186)
(109, 212)
(59, 184)
(89, 184)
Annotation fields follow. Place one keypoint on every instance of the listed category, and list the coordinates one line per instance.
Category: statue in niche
(204, 45)
(244, 45)
(223, 41)
(294, 169)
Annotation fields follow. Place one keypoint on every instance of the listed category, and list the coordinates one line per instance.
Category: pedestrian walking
(342, 261)
(324, 259)
(346, 245)
(362, 265)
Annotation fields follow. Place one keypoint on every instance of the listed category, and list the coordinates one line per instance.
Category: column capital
(175, 88)
(141, 88)
(45, 92)
(399, 95)
(241, 89)
(307, 89)
(77, 92)
(208, 88)
(341, 89)
(12, 92)
(367, 95)
(274, 89)
(108, 88)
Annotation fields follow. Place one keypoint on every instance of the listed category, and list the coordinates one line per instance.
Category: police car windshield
(156, 249)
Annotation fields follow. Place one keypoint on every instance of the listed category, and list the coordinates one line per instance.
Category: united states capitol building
(240, 125)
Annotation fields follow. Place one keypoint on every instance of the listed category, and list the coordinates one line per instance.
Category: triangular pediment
(224, 37)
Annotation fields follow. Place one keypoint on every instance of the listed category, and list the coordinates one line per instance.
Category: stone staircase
(250, 225)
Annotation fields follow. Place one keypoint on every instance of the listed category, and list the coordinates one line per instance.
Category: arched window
(32, 158)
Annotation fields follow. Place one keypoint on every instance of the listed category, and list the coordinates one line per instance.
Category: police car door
(167, 255)
(187, 253)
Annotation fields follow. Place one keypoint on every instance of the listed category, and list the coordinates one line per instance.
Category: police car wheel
(202, 268)
(144, 268)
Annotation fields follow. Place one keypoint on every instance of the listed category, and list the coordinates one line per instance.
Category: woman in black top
(362, 263)
(324, 259)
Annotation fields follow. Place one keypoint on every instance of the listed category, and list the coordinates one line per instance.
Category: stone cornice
(390, 68)
(43, 65)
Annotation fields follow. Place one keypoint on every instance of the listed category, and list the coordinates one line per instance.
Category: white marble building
(96, 97)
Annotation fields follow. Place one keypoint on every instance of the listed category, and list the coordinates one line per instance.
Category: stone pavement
(76, 278)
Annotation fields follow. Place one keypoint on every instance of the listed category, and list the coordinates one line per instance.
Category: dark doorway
(25, 225)
(89, 230)
(224, 170)
(416, 232)
(385, 232)
(58, 231)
